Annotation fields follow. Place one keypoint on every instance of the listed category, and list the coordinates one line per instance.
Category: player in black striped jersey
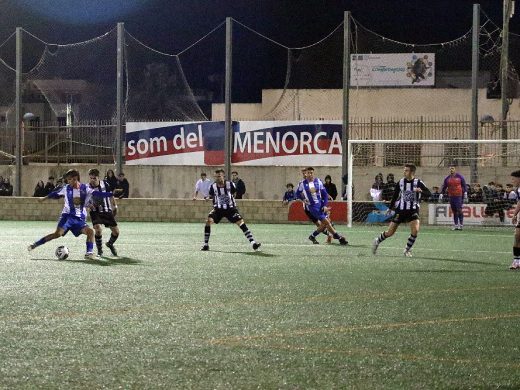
(103, 212)
(515, 179)
(405, 203)
(224, 206)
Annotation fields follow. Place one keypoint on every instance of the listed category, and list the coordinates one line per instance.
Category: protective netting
(378, 166)
(7, 98)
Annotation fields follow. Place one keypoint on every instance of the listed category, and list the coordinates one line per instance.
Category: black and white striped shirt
(223, 196)
(405, 197)
(102, 205)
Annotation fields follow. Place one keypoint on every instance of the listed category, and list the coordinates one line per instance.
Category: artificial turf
(294, 315)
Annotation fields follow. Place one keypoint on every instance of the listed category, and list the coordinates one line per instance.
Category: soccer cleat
(343, 241)
(30, 247)
(313, 240)
(407, 253)
(375, 245)
(205, 247)
(459, 227)
(329, 238)
(256, 245)
(90, 256)
(515, 265)
(455, 227)
(112, 248)
(100, 252)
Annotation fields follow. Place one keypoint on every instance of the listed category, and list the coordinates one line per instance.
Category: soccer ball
(62, 252)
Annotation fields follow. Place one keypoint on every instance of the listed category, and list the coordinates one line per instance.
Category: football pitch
(294, 315)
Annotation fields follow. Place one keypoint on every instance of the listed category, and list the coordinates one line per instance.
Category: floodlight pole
(504, 68)
(18, 117)
(228, 127)
(474, 91)
(120, 136)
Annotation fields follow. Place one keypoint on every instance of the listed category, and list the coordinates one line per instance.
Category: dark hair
(515, 174)
(110, 170)
(411, 166)
(93, 172)
(72, 173)
(203, 174)
(121, 174)
(309, 169)
(234, 172)
(51, 177)
(219, 171)
(289, 185)
(328, 177)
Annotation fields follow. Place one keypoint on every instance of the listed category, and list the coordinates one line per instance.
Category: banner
(393, 70)
(474, 214)
(284, 143)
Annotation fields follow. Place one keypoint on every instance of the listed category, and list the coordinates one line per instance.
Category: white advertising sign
(474, 214)
(393, 70)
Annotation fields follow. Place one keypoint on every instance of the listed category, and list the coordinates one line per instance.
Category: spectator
(492, 201)
(8, 188)
(40, 189)
(434, 197)
(510, 196)
(49, 186)
(239, 184)
(123, 185)
(475, 194)
(389, 187)
(376, 192)
(289, 195)
(59, 184)
(202, 186)
(111, 179)
(331, 188)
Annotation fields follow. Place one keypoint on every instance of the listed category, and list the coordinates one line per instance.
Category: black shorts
(106, 219)
(231, 214)
(405, 216)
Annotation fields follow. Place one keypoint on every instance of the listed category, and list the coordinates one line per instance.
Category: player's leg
(242, 225)
(328, 226)
(213, 217)
(516, 250)
(414, 231)
(98, 237)
(89, 232)
(392, 228)
(114, 235)
(56, 234)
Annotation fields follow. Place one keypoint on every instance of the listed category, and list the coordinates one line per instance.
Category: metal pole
(474, 91)
(228, 132)
(504, 68)
(18, 117)
(119, 100)
(346, 86)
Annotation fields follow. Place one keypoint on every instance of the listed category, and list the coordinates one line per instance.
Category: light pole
(20, 141)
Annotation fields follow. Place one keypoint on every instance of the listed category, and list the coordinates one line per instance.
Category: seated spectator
(389, 187)
(492, 201)
(49, 186)
(376, 192)
(331, 188)
(111, 179)
(510, 196)
(434, 197)
(8, 187)
(123, 185)
(289, 195)
(40, 189)
(475, 193)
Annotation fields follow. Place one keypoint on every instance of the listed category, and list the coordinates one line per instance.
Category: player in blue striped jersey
(73, 216)
(314, 195)
(224, 206)
(405, 203)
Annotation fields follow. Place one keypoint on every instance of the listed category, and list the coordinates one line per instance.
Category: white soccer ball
(62, 252)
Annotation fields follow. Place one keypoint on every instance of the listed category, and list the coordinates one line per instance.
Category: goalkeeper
(455, 184)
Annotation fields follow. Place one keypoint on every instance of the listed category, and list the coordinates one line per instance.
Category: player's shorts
(456, 202)
(106, 219)
(316, 214)
(405, 216)
(232, 215)
(70, 222)
(310, 216)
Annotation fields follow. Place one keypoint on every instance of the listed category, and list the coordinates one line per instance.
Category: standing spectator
(202, 186)
(389, 187)
(476, 194)
(49, 186)
(435, 196)
(123, 185)
(239, 184)
(376, 191)
(8, 187)
(3, 189)
(111, 179)
(39, 190)
(331, 188)
(289, 195)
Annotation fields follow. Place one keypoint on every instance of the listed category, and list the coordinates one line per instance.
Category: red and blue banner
(287, 143)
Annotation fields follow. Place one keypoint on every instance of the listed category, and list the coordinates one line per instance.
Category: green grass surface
(294, 315)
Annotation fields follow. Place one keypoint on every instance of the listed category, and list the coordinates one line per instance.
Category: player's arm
(515, 213)
(397, 192)
(443, 188)
(57, 194)
(464, 188)
(421, 187)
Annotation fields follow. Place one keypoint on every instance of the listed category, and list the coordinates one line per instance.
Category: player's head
(304, 173)
(515, 178)
(72, 176)
(93, 175)
(219, 176)
(409, 170)
(310, 173)
(453, 169)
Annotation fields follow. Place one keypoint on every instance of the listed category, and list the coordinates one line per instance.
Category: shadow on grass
(256, 254)
(455, 260)
(123, 260)
(103, 262)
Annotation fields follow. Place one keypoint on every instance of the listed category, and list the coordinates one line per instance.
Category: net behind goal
(485, 164)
